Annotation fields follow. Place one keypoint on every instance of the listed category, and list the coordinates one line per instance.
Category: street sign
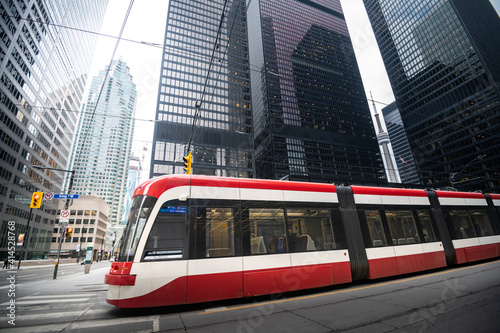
(66, 196)
(64, 216)
(48, 195)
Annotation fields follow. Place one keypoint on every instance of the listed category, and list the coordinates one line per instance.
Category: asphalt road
(460, 299)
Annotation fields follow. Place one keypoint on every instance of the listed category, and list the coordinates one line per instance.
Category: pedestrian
(5, 263)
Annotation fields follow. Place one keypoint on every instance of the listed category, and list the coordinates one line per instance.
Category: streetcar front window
(139, 212)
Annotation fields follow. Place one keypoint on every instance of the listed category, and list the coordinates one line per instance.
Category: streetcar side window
(311, 230)
(267, 230)
(461, 224)
(375, 228)
(481, 222)
(424, 217)
(402, 227)
(214, 232)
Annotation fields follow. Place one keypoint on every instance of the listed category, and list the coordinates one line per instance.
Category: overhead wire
(198, 105)
(161, 46)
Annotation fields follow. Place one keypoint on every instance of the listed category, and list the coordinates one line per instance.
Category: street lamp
(66, 206)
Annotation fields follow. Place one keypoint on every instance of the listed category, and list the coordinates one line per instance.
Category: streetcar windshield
(139, 212)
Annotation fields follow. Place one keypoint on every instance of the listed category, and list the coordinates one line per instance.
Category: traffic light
(69, 231)
(187, 163)
(36, 200)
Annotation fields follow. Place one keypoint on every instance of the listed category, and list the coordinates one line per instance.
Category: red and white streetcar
(192, 239)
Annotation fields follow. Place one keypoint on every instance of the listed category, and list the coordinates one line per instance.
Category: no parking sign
(64, 217)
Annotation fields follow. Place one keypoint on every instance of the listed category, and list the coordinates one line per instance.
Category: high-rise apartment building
(45, 55)
(103, 144)
(283, 96)
(442, 60)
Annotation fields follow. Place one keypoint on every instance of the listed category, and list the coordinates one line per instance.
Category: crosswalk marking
(37, 299)
(88, 324)
(49, 315)
(23, 276)
(7, 286)
(56, 296)
(43, 301)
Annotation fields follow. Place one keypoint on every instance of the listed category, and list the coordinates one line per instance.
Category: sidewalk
(25, 264)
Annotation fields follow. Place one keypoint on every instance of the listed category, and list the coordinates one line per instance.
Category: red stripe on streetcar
(388, 191)
(449, 194)
(173, 293)
(157, 186)
(391, 266)
(286, 186)
(476, 253)
(435, 260)
(209, 287)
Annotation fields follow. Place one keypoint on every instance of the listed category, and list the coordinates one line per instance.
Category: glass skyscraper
(311, 117)
(284, 96)
(196, 43)
(45, 56)
(101, 152)
(442, 60)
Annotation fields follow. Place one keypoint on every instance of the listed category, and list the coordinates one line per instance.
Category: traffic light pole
(63, 231)
(25, 243)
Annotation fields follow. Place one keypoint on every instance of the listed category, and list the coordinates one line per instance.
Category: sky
(146, 23)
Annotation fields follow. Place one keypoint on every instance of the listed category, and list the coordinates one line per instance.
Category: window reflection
(402, 227)
(214, 232)
(375, 228)
(424, 218)
(311, 230)
(267, 230)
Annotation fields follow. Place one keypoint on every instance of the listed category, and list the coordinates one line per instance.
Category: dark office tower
(204, 91)
(400, 145)
(289, 88)
(311, 117)
(45, 56)
(442, 60)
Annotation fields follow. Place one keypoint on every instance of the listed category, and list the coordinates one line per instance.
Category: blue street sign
(66, 196)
